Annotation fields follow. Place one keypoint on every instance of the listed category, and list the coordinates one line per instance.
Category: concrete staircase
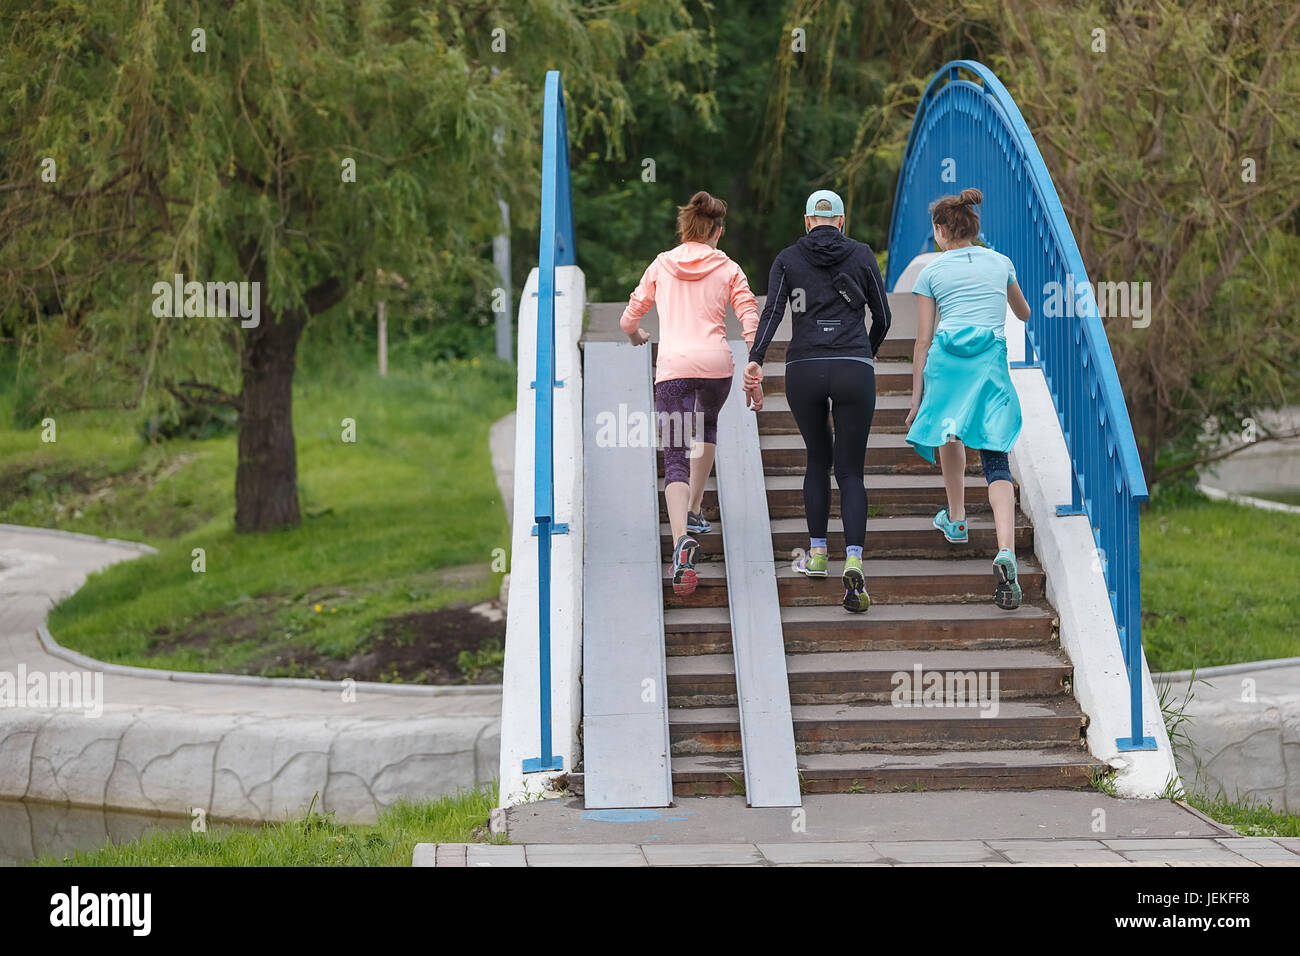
(931, 613)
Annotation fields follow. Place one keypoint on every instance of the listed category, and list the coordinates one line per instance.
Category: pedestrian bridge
(759, 683)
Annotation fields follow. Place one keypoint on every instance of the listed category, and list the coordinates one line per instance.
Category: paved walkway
(238, 749)
(967, 828)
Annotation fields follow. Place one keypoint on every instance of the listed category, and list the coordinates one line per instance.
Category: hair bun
(971, 197)
(710, 206)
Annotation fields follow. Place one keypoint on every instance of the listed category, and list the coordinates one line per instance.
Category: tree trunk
(266, 479)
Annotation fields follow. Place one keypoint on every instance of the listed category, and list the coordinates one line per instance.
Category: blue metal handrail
(970, 133)
(555, 248)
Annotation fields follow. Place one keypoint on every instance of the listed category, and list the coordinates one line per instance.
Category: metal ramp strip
(624, 680)
(762, 688)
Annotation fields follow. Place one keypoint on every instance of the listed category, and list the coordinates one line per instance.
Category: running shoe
(812, 565)
(856, 598)
(684, 578)
(696, 523)
(954, 531)
(1007, 593)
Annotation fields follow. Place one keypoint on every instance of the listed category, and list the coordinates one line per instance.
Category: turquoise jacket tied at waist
(967, 394)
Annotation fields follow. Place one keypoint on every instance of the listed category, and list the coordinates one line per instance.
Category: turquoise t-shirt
(969, 287)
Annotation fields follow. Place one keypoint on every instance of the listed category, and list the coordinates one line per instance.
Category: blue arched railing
(555, 248)
(969, 132)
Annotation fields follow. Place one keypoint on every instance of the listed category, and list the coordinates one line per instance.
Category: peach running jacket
(691, 285)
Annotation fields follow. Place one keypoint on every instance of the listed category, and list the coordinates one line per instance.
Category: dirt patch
(421, 648)
(425, 647)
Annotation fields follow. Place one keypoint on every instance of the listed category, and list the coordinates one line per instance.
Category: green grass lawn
(310, 840)
(1219, 585)
(390, 522)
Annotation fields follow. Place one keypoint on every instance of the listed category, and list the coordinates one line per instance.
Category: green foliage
(196, 422)
(490, 658)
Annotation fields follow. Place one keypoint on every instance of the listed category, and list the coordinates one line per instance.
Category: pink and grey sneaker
(684, 577)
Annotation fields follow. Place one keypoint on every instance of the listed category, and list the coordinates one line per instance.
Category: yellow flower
(316, 608)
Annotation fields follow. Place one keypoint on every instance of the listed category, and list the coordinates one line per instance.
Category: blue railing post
(973, 127)
(555, 247)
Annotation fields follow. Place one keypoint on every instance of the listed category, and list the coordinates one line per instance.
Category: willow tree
(303, 147)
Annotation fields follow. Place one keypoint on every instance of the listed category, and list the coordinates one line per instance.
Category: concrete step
(894, 536)
(887, 453)
(898, 345)
(828, 677)
(1018, 769)
(903, 580)
(886, 495)
(890, 415)
(988, 724)
(892, 377)
(889, 581)
(910, 627)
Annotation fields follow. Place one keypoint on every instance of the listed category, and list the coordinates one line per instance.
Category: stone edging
(1225, 669)
(1218, 494)
(55, 649)
(78, 536)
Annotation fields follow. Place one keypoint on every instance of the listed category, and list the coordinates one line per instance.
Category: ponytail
(957, 214)
(699, 219)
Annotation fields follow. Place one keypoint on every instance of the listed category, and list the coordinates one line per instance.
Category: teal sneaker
(812, 565)
(954, 531)
(696, 523)
(1007, 593)
(856, 598)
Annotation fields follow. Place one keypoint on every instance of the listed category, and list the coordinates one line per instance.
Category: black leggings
(842, 390)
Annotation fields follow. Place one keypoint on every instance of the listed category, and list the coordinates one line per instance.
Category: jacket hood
(826, 246)
(692, 260)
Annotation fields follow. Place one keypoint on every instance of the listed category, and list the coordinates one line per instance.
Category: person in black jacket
(829, 280)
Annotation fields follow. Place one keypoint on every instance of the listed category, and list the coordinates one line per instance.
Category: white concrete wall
(520, 732)
(1076, 587)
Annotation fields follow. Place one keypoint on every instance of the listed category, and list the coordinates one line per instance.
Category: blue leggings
(995, 465)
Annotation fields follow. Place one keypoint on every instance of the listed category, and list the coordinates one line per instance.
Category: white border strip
(1224, 670)
(55, 649)
(1218, 494)
(78, 536)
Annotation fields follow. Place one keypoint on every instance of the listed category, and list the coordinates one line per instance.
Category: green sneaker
(856, 598)
(1007, 593)
(812, 565)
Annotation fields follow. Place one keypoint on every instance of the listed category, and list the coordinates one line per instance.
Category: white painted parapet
(520, 729)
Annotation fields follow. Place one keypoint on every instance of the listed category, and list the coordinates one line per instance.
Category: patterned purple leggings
(687, 411)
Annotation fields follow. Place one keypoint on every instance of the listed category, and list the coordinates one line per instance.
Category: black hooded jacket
(828, 279)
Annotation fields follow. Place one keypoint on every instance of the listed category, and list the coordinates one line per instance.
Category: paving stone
(1264, 851)
(424, 854)
(1188, 857)
(588, 854)
(1066, 852)
(799, 854)
(488, 854)
(702, 854)
(937, 851)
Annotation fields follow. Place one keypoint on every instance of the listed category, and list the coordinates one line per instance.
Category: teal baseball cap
(837, 204)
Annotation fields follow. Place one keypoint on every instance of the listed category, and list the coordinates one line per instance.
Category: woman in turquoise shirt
(962, 394)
